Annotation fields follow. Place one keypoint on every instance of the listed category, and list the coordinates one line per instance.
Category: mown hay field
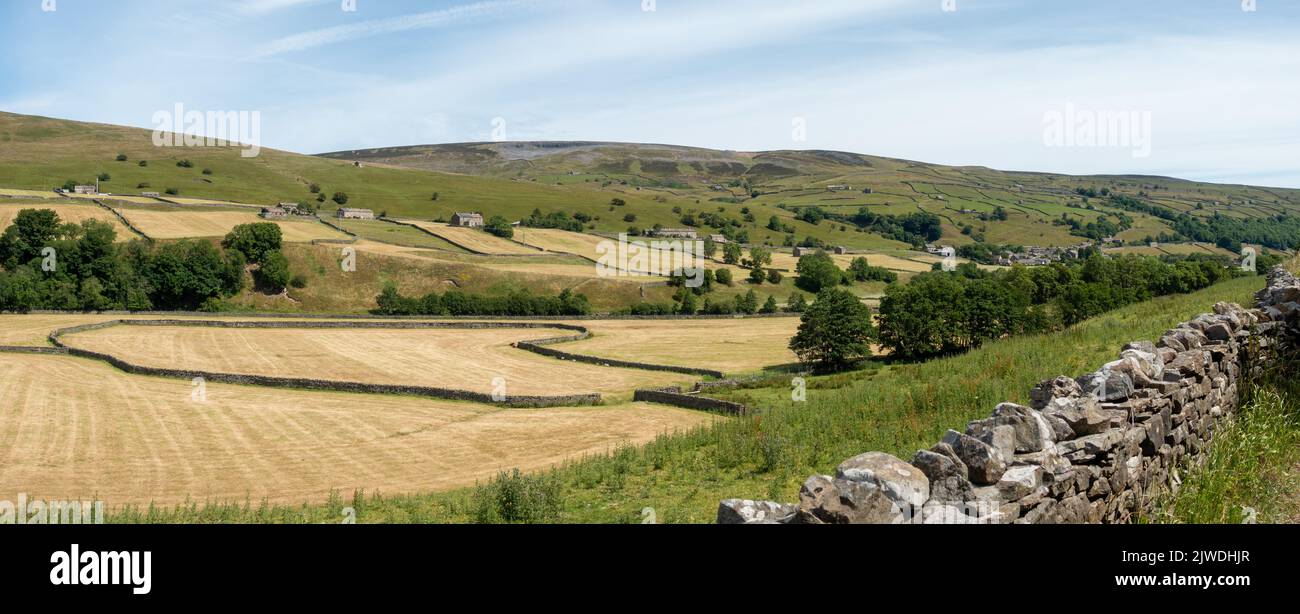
(474, 239)
(541, 265)
(730, 346)
(68, 213)
(462, 359)
(172, 224)
(727, 345)
(78, 429)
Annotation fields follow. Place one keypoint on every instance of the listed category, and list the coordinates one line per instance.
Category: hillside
(734, 192)
(842, 183)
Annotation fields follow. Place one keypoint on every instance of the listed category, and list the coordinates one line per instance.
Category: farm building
(345, 213)
(675, 233)
(85, 189)
(467, 220)
(274, 213)
(800, 252)
(151, 194)
(841, 250)
(719, 239)
(290, 208)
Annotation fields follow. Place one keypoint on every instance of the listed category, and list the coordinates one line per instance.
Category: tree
(185, 164)
(340, 198)
(255, 241)
(618, 202)
(770, 306)
(757, 276)
(817, 271)
(436, 196)
(797, 304)
(314, 188)
(760, 256)
(121, 157)
(687, 299)
(724, 277)
(273, 276)
(732, 253)
(747, 304)
(835, 332)
(774, 276)
(500, 227)
(31, 231)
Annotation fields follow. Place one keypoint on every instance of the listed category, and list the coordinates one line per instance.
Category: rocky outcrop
(1098, 448)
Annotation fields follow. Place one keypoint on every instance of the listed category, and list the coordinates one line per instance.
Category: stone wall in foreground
(1099, 448)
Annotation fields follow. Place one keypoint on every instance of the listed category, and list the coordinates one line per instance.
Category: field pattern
(461, 359)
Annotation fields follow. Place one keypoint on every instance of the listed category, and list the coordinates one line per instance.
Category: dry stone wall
(1099, 448)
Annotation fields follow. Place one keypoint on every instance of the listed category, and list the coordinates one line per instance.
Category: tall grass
(895, 408)
(1249, 473)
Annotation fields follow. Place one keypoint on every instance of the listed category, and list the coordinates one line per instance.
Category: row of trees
(459, 303)
(948, 312)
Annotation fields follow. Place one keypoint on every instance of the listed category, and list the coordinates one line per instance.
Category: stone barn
(467, 220)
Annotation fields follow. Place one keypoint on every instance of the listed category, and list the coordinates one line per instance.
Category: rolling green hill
(656, 184)
(788, 180)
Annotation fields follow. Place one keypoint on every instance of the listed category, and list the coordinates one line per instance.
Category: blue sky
(901, 78)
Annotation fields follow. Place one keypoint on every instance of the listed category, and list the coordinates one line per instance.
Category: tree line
(459, 303)
(939, 312)
(48, 264)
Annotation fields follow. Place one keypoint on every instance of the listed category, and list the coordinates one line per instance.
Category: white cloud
(432, 19)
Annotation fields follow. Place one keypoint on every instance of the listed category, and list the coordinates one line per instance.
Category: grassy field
(330, 289)
(896, 408)
(397, 234)
(77, 429)
(1250, 472)
(454, 358)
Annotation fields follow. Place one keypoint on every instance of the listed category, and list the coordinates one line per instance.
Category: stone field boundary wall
(675, 397)
(1100, 448)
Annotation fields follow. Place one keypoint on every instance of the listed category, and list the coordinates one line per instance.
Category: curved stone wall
(315, 384)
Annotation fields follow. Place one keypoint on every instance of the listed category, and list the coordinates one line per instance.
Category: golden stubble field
(461, 359)
(170, 224)
(74, 428)
(77, 429)
(474, 239)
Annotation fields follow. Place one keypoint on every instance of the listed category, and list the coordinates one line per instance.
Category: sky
(1199, 89)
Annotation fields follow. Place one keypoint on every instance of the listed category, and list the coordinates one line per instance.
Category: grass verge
(1250, 472)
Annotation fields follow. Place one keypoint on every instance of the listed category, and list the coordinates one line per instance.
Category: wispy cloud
(262, 7)
(441, 18)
